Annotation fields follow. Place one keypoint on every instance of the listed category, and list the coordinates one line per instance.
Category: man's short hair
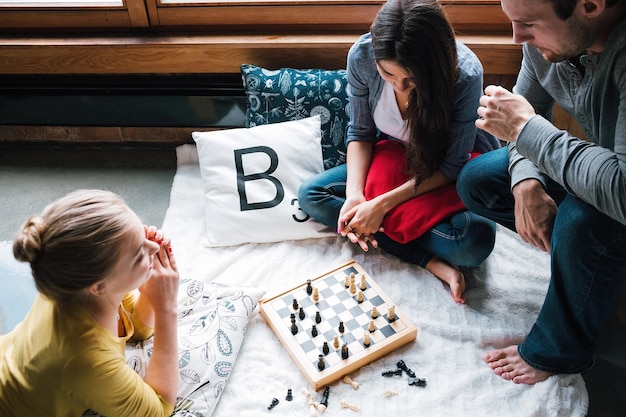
(565, 8)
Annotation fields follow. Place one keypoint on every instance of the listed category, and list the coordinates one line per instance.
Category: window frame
(37, 18)
(288, 16)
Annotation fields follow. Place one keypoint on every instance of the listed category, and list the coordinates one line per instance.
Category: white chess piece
(348, 380)
(345, 404)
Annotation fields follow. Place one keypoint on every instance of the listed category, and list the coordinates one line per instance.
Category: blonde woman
(103, 279)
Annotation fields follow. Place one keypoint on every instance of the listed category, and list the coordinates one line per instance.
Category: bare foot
(508, 364)
(450, 275)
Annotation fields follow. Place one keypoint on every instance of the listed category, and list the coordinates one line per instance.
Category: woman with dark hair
(411, 83)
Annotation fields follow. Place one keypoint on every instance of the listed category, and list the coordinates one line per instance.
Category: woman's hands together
(358, 220)
(162, 287)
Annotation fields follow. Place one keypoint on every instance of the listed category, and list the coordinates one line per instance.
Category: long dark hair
(417, 35)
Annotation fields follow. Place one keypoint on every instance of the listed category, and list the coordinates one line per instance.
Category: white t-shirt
(387, 115)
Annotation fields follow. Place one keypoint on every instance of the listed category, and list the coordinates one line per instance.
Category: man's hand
(534, 213)
(503, 114)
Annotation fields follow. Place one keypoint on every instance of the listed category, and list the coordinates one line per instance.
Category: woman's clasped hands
(162, 287)
(359, 220)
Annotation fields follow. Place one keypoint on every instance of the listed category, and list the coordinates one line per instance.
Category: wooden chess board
(336, 304)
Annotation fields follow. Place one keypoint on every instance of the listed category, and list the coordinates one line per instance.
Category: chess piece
(314, 331)
(312, 404)
(405, 368)
(336, 342)
(366, 339)
(320, 363)
(419, 382)
(346, 282)
(273, 404)
(345, 404)
(359, 298)
(389, 393)
(395, 372)
(316, 294)
(372, 326)
(391, 313)
(355, 385)
(374, 312)
(352, 287)
(318, 317)
(301, 313)
(294, 305)
(294, 328)
(309, 287)
(289, 396)
(363, 283)
(324, 403)
(342, 329)
(325, 348)
(344, 351)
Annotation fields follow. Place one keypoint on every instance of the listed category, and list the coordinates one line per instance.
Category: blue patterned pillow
(289, 94)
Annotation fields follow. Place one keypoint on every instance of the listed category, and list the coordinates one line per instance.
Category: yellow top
(59, 362)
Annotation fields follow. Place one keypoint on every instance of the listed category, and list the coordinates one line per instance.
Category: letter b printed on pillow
(251, 178)
(242, 178)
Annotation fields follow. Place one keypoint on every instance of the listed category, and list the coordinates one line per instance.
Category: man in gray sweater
(563, 194)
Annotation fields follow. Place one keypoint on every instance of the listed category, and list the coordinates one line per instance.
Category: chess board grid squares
(336, 364)
(334, 356)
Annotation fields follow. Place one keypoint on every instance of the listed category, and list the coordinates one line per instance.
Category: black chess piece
(405, 368)
(395, 372)
(341, 327)
(324, 401)
(309, 287)
(294, 328)
(320, 363)
(325, 348)
(289, 396)
(301, 313)
(273, 404)
(295, 304)
(314, 331)
(344, 351)
(419, 382)
(318, 317)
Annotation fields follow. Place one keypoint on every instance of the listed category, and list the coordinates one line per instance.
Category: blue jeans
(465, 239)
(588, 265)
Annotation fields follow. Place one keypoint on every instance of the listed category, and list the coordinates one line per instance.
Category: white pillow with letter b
(251, 178)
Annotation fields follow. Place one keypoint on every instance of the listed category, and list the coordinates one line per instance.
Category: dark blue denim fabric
(465, 239)
(588, 265)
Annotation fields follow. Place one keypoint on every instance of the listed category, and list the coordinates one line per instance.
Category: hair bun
(28, 245)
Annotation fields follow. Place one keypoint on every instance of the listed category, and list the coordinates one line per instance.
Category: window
(29, 4)
(226, 16)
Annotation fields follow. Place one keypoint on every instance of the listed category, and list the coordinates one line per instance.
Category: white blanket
(503, 298)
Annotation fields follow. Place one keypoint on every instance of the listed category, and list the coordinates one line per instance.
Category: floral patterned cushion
(212, 321)
(290, 94)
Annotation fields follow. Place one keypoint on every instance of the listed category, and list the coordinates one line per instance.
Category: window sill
(198, 54)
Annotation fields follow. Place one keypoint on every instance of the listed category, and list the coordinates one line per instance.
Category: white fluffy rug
(502, 300)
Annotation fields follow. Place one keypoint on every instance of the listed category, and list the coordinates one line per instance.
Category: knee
(305, 191)
(482, 242)
(483, 176)
(579, 224)
(467, 181)
(476, 241)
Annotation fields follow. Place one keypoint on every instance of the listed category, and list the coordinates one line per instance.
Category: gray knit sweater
(594, 170)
